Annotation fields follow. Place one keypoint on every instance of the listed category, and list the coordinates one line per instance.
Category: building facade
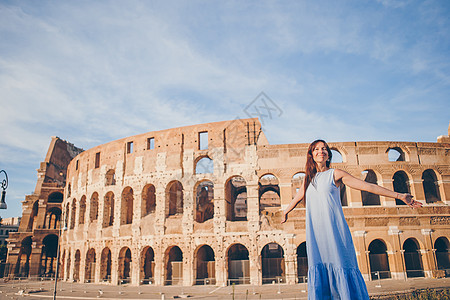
(32, 250)
(202, 204)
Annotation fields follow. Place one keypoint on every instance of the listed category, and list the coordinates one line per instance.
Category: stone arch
(124, 265)
(148, 203)
(110, 177)
(378, 260)
(73, 213)
(55, 197)
(48, 256)
(236, 199)
(89, 266)
(268, 192)
(401, 185)
(302, 263)
(204, 201)
(108, 209)
(430, 186)
(126, 207)
(53, 218)
(297, 182)
(413, 258)
(76, 267)
(147, 265)
(204, 264)
(204, 165)
(82, 210)
(272, 264)
(368, 198)
(23, 261)
(336, 156)
(238, 264)
(93, 212)
(173, 259)
(442, 253)
(174, 198)
(105, 266)
(396, 154)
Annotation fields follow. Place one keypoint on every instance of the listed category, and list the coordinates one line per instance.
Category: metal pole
(57, 257)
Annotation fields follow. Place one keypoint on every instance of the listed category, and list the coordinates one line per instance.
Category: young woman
(333, 269)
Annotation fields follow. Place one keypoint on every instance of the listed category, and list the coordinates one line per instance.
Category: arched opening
(110, 177)
(105, 266)
(124, 265)
(23, 260)
(367, 197)
(236, 199)
(205, 266)
(395, 154)
(273, 266)
(73, 213)
(62, 266)
(48, 256)
(89, 274)
(204, 201)
(204, 165)
(269, 193)
(76, 269)
(147, 265)
(55, 197)
(174, 266)
(68, 266)
(52, 218)
(430, 186)
(126, 213)
(297, 181)
(148, 204)
(238, 265)
(413, 259)
(443, 255)
(378, 258)
(174, 198)
(336, 156)
(108, 210)
(82, 210)
(93, 214)
(401, 185)
(302, 263)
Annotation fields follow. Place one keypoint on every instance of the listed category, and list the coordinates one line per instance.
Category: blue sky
(94, 71)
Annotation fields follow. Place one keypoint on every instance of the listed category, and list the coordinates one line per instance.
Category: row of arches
(235, 196)
(272, 262)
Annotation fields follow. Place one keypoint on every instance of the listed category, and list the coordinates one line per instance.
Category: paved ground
(44, 290)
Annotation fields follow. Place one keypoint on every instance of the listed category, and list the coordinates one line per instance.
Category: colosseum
(202, 204)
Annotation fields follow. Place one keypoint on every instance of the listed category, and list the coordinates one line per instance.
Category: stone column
(252, 206)
(362, 253)
(135, 266)
(221, 265)
(389, 184)
(219, 209)
(355, 197)
(429, 255)
(416, 185)
(159, 266)
(35, 258)
(285, 193)
(398, 268)
(290, 259)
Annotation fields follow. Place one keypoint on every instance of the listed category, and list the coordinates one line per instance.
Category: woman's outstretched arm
(297, 199)
(361, 185)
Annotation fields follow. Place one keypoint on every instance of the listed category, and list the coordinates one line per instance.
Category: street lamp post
(4, 185)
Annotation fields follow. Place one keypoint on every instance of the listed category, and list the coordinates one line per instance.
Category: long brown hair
(311, 166)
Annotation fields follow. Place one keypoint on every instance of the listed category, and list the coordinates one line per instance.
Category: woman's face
(320, 153)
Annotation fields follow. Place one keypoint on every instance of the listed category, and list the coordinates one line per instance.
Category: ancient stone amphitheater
(202, 205)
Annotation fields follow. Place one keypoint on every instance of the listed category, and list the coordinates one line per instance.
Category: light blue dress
(333, 271)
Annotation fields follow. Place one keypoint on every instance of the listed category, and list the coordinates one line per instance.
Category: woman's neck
(321, 167)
